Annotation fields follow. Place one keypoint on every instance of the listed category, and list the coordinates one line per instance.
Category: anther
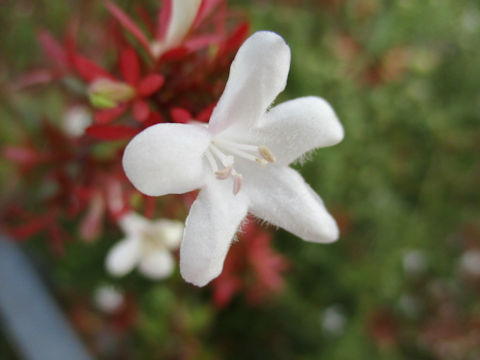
(266, 153)
(237, 183)
(224, 173)
(262, 162)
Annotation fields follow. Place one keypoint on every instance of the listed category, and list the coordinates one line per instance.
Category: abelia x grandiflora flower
(240, 160)
(147, 244)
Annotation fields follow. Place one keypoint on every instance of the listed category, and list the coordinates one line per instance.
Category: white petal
(157, 264)
(295, 127)
(280, 196)
(257, 75)
(133, 224)
(122, 258)
(171, 232)
(167, 159)
(181, 19)
(210, 227)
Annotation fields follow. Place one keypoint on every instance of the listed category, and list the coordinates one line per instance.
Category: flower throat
(223, 152)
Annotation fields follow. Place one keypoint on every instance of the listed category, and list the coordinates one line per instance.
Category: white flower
(76, 120)
(470, 263)
(108, 299)
(333, 320)
(240, 161)
(183, 13)
(147, 244)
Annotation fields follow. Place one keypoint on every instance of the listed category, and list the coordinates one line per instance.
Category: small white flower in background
(183, 13)
(108, 299)
(240, 161)
(147, 244)
(75, 120)
(414, 262)
(470, 263)
(333, 320)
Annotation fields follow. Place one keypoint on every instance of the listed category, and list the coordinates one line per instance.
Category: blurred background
(403, 281)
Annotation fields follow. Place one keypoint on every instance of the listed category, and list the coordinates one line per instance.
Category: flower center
(221, 156)
(152, 240)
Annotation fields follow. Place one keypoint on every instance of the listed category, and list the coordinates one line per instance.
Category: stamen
(266, 154)
(211, 161)
(237, 183)
(225, 173)
(223, 152)
(224, 159)
(262, 162)
(242, 154)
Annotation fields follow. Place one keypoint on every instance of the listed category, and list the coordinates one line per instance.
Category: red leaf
(205, 114)
(58, 142)
(129, 66)
(180, 115)
(108, 115)
(88, 69)
(234, 40)
(150, 203)
(22, 155)
(147, 20)
(34, 77)
(128, 24)
(140, 110)
(153, 118)
(175, 53)
(30, 228)
(111, 132)
(205, 9)
(150, 84)
(199, 42)
(53, 49)
(163, 19)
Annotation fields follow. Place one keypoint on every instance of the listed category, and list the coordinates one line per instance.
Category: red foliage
(252, 267)
(179, 86)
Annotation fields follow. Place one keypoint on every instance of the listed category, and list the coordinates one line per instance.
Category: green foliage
(403, 77)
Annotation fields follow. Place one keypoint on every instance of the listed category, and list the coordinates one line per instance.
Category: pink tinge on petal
(150, 84)
(140, 110)
(130, 66)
